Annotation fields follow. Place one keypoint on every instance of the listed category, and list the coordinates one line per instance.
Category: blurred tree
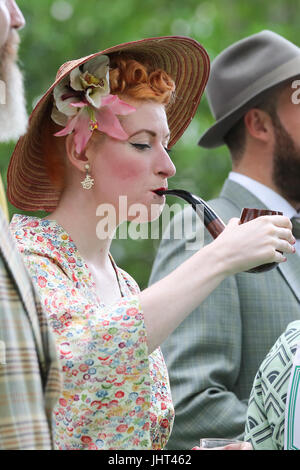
(60, 30)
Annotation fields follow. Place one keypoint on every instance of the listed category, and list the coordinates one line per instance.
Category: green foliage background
(58, 31)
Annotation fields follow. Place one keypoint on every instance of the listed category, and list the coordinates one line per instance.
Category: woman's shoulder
(25, 225)
(20, 221)
(27, 231)
(39, 236)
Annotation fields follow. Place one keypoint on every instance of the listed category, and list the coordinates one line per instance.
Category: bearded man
(213, 356)
(29, 374)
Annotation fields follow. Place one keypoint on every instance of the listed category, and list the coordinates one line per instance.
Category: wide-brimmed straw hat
(242, 74)
(183, 58)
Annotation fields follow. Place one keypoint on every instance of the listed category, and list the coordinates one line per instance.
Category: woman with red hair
(102, 132)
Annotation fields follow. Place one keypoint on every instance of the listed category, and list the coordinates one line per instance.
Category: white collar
(266, 195)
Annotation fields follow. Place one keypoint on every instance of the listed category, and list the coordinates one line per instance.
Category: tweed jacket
(213, 356)
(29, 373)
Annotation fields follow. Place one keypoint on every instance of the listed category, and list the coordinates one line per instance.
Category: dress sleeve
(104, 357)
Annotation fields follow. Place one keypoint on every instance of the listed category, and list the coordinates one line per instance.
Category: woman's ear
(77, 160)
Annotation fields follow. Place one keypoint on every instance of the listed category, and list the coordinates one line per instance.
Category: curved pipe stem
(212, 221)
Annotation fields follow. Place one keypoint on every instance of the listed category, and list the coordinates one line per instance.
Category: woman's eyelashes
(142, 147)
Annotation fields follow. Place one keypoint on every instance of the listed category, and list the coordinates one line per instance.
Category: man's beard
(286, 163)
(13, 115)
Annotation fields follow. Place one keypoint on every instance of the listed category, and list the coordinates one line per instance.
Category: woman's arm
(166, 303)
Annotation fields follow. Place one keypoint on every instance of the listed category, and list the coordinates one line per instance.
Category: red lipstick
(157, 191)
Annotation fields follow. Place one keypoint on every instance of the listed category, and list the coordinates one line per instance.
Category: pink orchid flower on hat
(83, 103)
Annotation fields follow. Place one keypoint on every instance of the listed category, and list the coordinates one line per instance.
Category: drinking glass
(210, 443)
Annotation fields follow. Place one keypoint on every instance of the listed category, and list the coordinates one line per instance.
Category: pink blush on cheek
(127, 171)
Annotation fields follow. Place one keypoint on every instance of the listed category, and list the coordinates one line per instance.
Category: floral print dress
(115, 395)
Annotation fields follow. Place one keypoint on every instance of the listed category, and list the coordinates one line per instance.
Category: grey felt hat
(241, 74)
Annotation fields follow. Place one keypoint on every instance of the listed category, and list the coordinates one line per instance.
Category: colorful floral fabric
(115, 395)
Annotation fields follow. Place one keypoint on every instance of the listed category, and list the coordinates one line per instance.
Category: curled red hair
(131, 78)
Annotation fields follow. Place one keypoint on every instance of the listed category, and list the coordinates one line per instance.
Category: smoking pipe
(212, 221)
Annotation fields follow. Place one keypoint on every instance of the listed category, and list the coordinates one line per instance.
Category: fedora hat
(184, 60)
(241, 74)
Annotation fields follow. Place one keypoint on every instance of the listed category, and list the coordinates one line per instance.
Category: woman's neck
(77, 215)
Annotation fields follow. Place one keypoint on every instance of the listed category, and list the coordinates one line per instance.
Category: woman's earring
(88, 182)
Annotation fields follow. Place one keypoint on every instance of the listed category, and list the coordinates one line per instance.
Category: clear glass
(210, 443)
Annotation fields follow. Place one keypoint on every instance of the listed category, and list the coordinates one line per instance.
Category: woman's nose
(16, 16)
(166, 166)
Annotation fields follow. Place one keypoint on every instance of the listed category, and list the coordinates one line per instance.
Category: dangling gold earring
(88, 182)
